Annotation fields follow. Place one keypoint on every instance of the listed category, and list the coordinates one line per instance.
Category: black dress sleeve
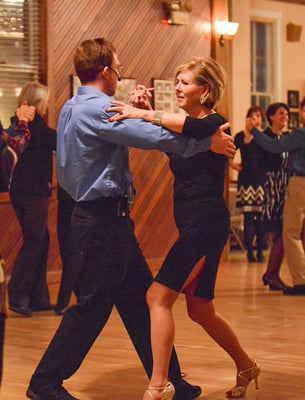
(203, 127)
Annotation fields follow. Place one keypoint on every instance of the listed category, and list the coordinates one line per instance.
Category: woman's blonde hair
(34, 94)
(206, 71)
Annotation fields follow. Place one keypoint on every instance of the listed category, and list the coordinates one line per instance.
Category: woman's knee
(150, 296)
(194, 314)
(160, 295)
(200, 310)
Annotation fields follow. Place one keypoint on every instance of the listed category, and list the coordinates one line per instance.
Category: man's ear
(105, 73)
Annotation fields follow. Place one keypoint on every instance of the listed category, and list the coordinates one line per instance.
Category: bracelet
(157, 118)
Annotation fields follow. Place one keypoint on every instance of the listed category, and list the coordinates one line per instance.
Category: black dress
(200, 212)
(275, 187)
(250, 184)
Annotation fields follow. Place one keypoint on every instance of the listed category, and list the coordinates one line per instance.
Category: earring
(203, 98)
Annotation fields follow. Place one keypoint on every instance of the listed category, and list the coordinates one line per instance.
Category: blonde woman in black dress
(203, 222)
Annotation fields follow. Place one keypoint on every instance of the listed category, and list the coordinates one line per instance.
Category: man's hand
(25, 113)
(223, 143)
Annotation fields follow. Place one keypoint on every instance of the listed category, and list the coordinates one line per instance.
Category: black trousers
(28, 283)
(68, 252)
(113, 272)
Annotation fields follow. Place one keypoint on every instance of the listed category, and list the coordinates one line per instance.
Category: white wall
(291, 57)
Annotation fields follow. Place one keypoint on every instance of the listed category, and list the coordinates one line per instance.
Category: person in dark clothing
(293, 213)
(29, 193)
(68, 252)
(275, 187)
(18, 142)
(203, 222)
(250, 185)
(93, 167)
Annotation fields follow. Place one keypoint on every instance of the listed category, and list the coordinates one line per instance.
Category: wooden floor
(270, 325)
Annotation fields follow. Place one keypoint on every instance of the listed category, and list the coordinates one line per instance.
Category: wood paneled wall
(148, 49)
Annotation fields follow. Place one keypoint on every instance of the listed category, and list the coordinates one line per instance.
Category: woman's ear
(205, 94)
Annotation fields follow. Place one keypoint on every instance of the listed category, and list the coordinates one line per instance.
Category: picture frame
(164, 97)
(293, 98)
(294, 120)
(124, 87)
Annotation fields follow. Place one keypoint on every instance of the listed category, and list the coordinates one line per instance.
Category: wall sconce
(176, 12)
(225, 29)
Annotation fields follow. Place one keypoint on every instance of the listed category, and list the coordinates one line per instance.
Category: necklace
(204, 114)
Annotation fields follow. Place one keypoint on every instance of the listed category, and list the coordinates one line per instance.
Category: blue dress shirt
(294, 143)
(92, 153)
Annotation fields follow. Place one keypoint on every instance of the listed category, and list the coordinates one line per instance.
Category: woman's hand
(124, 111)
(252, 122)
(25, 113)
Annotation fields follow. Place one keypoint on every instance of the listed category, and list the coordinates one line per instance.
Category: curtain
(20, 55)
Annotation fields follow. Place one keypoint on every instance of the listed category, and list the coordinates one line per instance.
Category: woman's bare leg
(160, 300)
(203, 312)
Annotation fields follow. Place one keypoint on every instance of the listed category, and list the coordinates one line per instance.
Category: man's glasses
(118, 71)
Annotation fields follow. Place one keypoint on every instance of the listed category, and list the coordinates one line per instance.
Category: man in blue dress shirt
(93, 167)
(294, 208)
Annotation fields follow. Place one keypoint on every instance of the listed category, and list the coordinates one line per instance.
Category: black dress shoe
(23, 310)
(296, 290)
(250, 257)
(49, 392)
(186, 391)
(260, 258)
(42, 307)
(60, 310)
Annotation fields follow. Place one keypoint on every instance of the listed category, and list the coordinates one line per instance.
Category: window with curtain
(19, 51)
(262, 63)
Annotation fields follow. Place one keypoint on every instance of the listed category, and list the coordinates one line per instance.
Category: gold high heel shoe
(167, 391)
(240, 391)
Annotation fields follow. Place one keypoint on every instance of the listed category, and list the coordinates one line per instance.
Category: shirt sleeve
(289, 142)
(200, 128)
(144, 135)
(199, 132)
(19, 136)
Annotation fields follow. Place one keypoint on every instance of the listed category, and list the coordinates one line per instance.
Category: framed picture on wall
(293, 98)
(294, 121)
(125, 86)
(164, 98)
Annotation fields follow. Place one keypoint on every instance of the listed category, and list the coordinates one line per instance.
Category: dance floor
(270, 325)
